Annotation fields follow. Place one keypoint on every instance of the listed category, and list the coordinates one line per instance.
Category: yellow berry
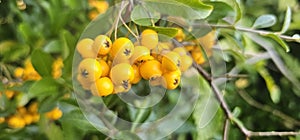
(18, 73)
(149, 38)
(105, 68)
(151, 69)
(85, 48)
(180, 36)
(85, 84)
(122, 74)
(186, 62)
(122, 48)
(102, 45)
(35, 117)
(54, 114)
(33, 107)
(140, 54)
(180, 50)
(137, 76)
(89, 69)
(102, 87)
(198, 57)
(121, 88)
(2, 120)
(15, 122)
(171, 80)
(171, 61)
(9, 93)
(28, 118)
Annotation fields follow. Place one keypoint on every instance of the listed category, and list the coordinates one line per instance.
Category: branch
(229, 114)
(267, 108)
(226, 129)
(261, 32)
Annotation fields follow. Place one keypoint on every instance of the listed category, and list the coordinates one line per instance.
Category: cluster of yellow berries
(207, 42)
(29, 73)
(28, 115)
(97, 7)
(112, 67)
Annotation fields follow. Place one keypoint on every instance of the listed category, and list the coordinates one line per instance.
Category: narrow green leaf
(53, 46)
(287, 20)
(44, 87)
(42, 62)
(238, 11)
(264, 21)
(174, 8)
(271, 85)
(279, 41)
(144, 17)
(167, 31)
(220, 11)
(236, 112)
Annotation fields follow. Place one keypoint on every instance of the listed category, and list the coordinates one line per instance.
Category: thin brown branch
(229, 114)
(226, 129)
(273, 133)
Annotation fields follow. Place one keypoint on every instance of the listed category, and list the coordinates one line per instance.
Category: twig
(118, 18)
(226, 129)
(123, 22)
(267, 108)
(250, 30)
(229, 114)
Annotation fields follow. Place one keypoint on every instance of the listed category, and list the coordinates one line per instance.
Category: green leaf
(53, 46)
(48, 103)
(179, 9)
(76, 117)
(22, 99)
(264, 21)
(220, 11)
(279, 41)
(238, 11)
(54, 132)
(11, 51)
(68, 44)
(5, 46)
(144, 17)
(198, 5)
(45, 87)
(166, 31)
(101, 24)
(287, 20)
(42, 62)
(271, 86)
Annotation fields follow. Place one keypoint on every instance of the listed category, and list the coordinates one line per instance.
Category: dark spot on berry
(84, 73)
(125, 84)
(127, 52)
(176, 81)
(178, 63)
(106, 44)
